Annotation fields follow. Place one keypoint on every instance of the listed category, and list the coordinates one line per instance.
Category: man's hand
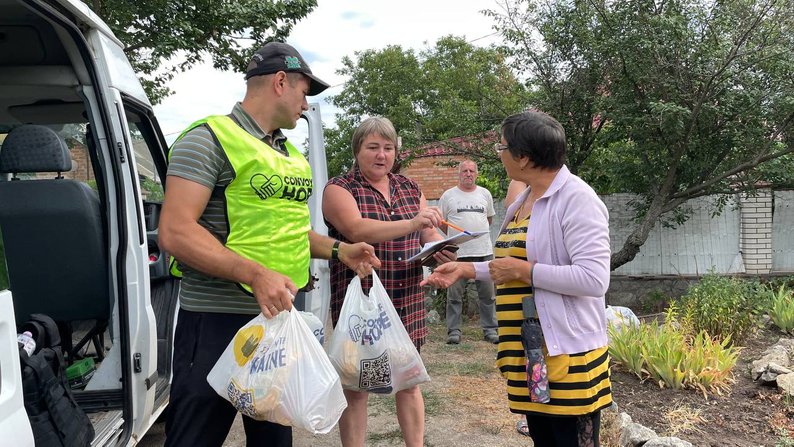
(445, 275)
(360, 257)
(273, 291)
(508, 269)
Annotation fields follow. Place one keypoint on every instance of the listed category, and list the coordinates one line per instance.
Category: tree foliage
(669, 99)
(157, 32)
(451, 90)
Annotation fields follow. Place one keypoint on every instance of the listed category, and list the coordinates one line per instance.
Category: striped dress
(578, 383)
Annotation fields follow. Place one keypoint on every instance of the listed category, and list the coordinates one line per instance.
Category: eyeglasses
(499, 147)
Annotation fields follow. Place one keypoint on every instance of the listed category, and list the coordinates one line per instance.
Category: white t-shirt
(470, 211)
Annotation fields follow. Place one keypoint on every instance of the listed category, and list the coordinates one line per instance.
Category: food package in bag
(276, 370)
(369, 347)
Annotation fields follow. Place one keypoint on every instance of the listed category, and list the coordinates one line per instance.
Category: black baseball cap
(278, 56)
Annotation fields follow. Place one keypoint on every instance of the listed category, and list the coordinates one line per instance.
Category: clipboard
(425, 256)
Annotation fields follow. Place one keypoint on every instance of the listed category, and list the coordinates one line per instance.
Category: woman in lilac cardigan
(551, 269)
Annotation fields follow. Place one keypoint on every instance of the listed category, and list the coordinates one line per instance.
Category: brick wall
(756, 231)
(433, 175)
(81, 164)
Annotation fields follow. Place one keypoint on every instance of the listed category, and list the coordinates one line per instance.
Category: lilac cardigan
(568, 239)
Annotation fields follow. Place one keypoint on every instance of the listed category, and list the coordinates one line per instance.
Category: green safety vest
(266, 202)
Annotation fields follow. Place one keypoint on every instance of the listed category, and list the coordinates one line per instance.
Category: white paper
(456, 240)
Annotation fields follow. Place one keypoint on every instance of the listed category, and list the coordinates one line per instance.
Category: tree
(157, 32)
(668, 99)
(451, 90)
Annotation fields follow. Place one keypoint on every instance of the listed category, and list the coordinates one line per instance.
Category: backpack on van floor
(54, 416)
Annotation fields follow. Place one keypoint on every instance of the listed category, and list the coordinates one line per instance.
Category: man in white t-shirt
(470, 207)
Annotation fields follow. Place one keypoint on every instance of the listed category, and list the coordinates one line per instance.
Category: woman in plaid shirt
(371, 204)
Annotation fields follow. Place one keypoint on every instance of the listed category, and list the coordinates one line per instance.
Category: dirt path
(465, 403)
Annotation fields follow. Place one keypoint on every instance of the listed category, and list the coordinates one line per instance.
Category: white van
(81, 244)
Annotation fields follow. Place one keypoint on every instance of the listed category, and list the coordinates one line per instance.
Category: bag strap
(50, 329)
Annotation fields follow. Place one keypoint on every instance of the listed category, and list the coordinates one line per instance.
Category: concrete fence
(754, 234)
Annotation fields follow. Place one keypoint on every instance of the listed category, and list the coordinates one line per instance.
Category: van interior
(61, 250)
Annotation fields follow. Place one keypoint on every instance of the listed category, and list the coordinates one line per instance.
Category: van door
(149, 149)
(14, 426)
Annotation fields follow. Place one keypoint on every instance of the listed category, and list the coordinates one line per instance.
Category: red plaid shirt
(401, 278)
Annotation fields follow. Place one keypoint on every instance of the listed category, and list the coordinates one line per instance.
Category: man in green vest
(236, 218)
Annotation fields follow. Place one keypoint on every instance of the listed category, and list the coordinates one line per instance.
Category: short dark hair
(537, 136)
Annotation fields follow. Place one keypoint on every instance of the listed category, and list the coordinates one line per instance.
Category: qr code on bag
(243, 400)
(376, 374)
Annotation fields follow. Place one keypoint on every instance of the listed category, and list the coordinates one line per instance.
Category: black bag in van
(54, 416)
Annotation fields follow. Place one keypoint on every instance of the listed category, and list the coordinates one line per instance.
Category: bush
(782, 308)
(625, 346)
(654, 302)
(723, 307)
(439, 301)
(673, 357)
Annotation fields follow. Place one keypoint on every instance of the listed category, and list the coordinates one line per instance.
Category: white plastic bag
(369, 347)
(276, 370)
(620, 317)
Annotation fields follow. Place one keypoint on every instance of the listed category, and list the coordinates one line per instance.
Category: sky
(335, 29)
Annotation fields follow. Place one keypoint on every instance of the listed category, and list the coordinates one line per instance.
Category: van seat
(55, 243)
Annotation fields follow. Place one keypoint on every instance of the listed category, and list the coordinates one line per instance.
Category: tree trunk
(635, 240)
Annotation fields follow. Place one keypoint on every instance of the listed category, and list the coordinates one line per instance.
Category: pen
(455, 227)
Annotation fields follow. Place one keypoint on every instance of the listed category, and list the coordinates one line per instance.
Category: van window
(149, 180)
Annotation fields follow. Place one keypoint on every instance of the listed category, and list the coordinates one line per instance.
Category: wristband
(532, 274)
(335, 251)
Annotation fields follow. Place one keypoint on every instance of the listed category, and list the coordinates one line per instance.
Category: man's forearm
(320, 245)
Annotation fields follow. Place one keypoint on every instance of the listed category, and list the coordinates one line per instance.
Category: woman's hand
(445, 275)
(429, 217)
(444, 256)
(508, 269)
(360, 257)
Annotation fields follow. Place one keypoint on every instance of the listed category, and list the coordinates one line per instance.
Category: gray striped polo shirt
(198, 157)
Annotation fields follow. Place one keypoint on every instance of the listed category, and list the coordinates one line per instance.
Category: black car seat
(55, 243)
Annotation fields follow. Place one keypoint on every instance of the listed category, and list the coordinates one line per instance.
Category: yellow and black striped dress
(578, 383)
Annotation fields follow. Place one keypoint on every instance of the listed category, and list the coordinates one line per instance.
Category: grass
(683, 419)
(785, 440)
(434, 403)
(609, 435)
(390, 436)
(382, 405)
(461, 369)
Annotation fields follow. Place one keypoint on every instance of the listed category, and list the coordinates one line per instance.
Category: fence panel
(703, 242)
(783, 232)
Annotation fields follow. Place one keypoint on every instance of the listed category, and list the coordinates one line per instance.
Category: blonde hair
(373, 125)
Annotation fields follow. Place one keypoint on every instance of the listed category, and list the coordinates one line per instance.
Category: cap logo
(293, 63)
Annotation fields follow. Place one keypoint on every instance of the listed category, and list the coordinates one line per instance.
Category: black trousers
(564, 431)
(197, 415)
